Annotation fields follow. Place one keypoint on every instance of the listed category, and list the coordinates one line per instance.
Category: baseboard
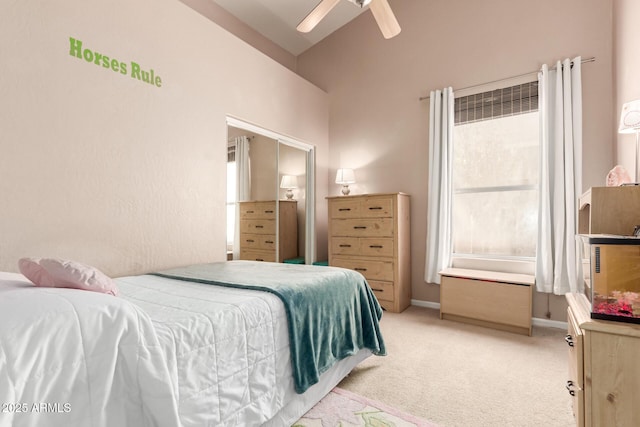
(536, 321)
(425, 304)
(546, 323)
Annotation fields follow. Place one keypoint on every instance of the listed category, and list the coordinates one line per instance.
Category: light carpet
(454, 374)
(346, 409)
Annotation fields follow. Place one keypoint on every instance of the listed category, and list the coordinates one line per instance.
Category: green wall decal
(137, 72)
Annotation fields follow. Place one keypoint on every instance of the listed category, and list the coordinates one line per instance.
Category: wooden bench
(487, 298)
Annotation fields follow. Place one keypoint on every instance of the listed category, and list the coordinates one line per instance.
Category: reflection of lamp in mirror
(630, 123)
(289, 182)
(345, 177)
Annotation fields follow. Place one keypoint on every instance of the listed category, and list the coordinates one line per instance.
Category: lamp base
(289, 194)
(345, 190)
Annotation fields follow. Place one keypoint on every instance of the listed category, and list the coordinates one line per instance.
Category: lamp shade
(345, 176)
(630, 117)
(289, 181)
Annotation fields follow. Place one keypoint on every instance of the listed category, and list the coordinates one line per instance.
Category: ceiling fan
(380, 8)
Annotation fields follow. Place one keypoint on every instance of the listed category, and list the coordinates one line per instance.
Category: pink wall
(102, 168)
(378, 126)
(627, 72)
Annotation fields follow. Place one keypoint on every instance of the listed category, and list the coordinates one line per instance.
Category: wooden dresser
(258, 230)
(371, 234)
(604, 368)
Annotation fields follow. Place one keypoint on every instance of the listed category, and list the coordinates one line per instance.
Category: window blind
(231, 153)
(508, 101)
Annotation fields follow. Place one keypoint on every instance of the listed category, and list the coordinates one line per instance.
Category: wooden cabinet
(604, 368)
(370, 234)
(258, 230)
(487, 298)
(609, 210)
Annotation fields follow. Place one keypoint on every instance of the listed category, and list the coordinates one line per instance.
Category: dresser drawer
(370, 269)
(382, 290)
(258, 226)
(258, 210)
(378, 227)
(377, 207)
(368, 207)
(255, 255)
(346, 208)
(575, 384)
(258, 241)
(369, 246)
(387, 305)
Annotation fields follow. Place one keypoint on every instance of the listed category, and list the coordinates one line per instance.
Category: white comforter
(227, 349)
(165, 353)
(78, 358)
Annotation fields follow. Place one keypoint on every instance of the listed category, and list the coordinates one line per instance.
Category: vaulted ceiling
(277, 20)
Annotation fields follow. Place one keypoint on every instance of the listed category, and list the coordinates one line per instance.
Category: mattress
(166, 352)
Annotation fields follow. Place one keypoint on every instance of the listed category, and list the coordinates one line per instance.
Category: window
(495, 173)
(231, 196)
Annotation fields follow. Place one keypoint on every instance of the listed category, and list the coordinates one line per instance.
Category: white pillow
(61, 273)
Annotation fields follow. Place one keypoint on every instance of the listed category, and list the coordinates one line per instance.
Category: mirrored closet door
(270, 200)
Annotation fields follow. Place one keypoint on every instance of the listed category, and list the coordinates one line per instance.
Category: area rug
(346, 409)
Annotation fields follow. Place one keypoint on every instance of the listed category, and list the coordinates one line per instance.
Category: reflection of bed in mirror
(194, 346)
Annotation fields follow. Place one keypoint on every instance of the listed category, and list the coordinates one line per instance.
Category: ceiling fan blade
(385, 18)
(316, 15)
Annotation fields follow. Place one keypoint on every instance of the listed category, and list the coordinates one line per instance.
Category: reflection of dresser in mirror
(258, 230)
(609, 210)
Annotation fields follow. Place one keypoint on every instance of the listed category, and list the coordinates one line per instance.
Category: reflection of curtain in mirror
(243, 185)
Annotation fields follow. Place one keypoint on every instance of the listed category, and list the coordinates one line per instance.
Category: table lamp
(289, 182)
(345, 177)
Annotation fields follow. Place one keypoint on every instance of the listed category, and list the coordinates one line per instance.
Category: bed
(203, 345)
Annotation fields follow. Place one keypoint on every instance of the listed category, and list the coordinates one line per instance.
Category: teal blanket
(332, 312)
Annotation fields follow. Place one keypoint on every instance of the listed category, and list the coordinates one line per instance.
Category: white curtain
(243, 185)
(558, 267)
(438, 254)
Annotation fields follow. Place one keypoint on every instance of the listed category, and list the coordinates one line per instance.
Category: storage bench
(487, 298)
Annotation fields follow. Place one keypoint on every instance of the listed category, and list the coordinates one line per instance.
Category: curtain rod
(592, 59)
(249, 137)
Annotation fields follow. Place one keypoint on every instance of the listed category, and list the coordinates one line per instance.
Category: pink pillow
(32, 270)
(70, 274)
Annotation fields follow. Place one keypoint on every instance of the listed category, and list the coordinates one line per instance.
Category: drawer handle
(268, 241)
(249, 211)
(344, 209)
(345, 246)
(569, 339)
(259, 226)
(572, 392)
(268, 211)
(376, 246)
(259, 259)
(249, 240)
(377, 290)
(375, 208)
(360, 227)
(360, 269)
